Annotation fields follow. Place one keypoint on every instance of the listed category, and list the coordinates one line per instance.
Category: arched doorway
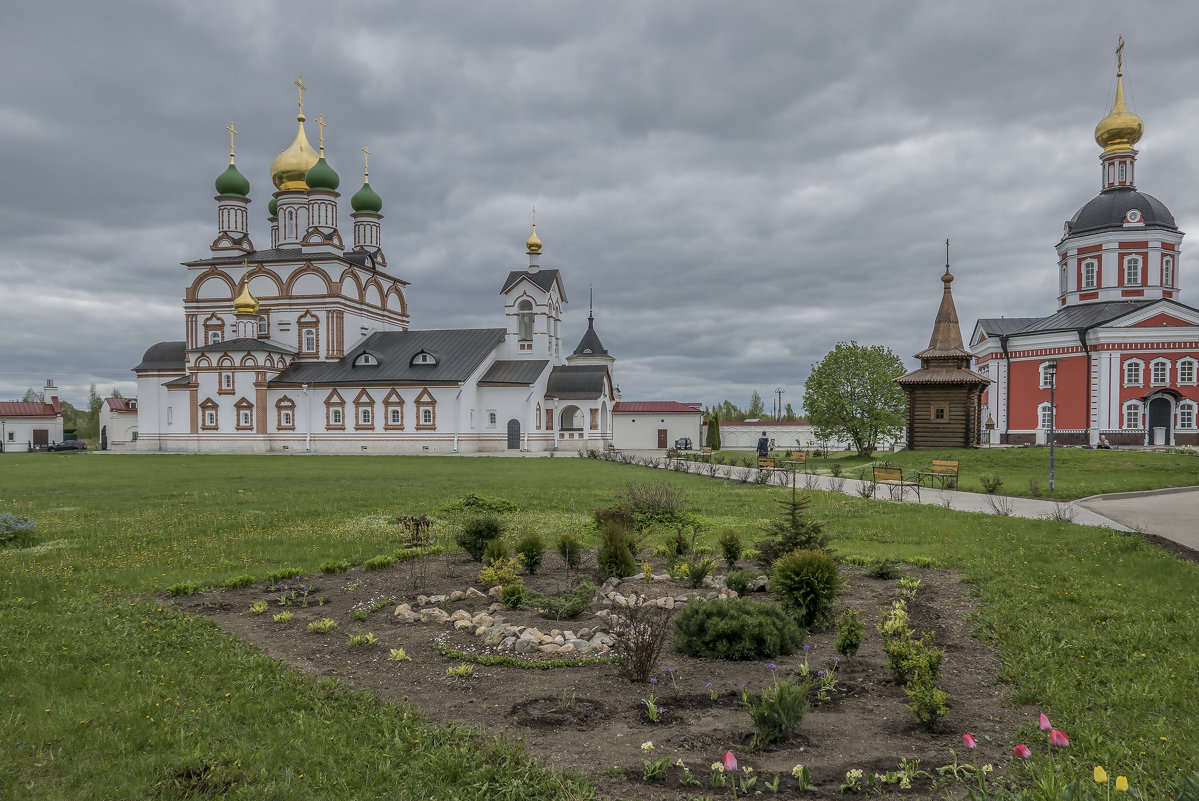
(571, 419)
(513, 434)
(1160, 414)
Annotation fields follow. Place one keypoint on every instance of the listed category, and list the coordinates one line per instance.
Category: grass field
(111, 694)
(1077, 472)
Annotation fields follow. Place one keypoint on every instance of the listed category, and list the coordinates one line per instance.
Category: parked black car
(682, 444)
(68, 445)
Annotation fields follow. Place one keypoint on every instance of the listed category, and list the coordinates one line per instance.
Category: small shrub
(417, 530)
(500, 573)
(571, 551)
(483, 503)
(909, 586)
(284, 616)
(1034, 488)
(849, 633)
(731, 547)
(258, 607)
(894, 622)
(639, 636)
(16, 530)
(359, 614)
(907, 657)
(736, 629)
(284, 574)
(330, 566)
(884, 569)
(494, 551)
(381, 562)
(990, 482)
(238, 581)
(184, 589)
(929, 703)
(531, 548)
(836, 469)
(698, 570)
(477, 532)
(617, 515)
(462, 671)
(794, 530)
(677, 544)
(807, 583)
(614, 557)
(359, 638)
(398, 655)
(322, 626)
(739, 580)
(512, 595)
(923, 561)
(563, 607)
(778, 712)
(654, 502)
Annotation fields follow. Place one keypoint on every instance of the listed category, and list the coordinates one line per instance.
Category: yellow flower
(1122, 784)
(1100, 775)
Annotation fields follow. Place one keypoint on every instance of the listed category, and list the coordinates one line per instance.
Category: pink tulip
(730, 761)
(968, 739)
(1045, 723)
(1022, 751)
(1058, 738)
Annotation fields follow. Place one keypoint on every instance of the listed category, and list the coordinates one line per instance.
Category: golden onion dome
(289, 167)
(533, 243)
(1120, 129)
(245, 303)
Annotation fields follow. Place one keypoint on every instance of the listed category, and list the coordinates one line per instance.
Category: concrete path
(1171, 513)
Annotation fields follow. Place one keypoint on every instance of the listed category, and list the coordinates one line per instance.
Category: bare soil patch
(591, 719)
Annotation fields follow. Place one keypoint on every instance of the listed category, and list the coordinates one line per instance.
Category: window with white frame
(1132, 372)
(1168, 271)
(244, 419)
(1159, 372)
(263, 329)
(1186, 371)
(285, 419)
(1062, 280)
(525, 310)
(1132, 414)
(210, 418)
(214, 337)
(1132, 270)
(364, 415)
(1089, 273)
(335, 416)
(310, 340)
(491, 419)
(226, 380)
(1186, 414)
(1046, 375)
(395, 419)
(1045, 416)
(426, 416)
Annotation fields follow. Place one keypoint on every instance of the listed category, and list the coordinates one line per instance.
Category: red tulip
(1045, 723)
(1022, 751)
(1058, 738)
(968, 739)
(730, 761)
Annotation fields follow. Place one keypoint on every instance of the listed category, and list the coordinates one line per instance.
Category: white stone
(433, 615)
(403, 608)
(463, 625)
(457, 595)
(473, 593)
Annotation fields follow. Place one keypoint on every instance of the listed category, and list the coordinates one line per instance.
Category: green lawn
(1077, 472)
(111, 694)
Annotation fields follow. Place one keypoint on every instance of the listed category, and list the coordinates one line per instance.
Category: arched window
(310, 340)
(214, 337)
(1167, 271)
(1186, 414)
(395, 418)
(1047, 374)
(244, 418)
(491, 418)
(1089, 273)
(1062, 280)
(1045, 416)
(426, 417)
(525, 309)
(1132, 270)
(1132, 414)
(263, 330)
(1159, 372)
(1122, 172)
(1132, 372)
(285, 419)
(210, 418)
(364, 416)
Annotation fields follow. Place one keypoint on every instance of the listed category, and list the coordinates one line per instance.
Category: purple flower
(708, 685)
(820, 673)
(653, 681)
(773, 666)
(836, 660)
(670, 670)
(807, 648)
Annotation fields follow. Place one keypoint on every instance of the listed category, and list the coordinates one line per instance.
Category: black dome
(164, 356)
(1106, 212)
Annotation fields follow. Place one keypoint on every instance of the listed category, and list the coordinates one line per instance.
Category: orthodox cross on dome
(947, 257)
(320, 120)
(299, 82)
(534, 216)
(1120, 54)
(232, 133)
(366, 160)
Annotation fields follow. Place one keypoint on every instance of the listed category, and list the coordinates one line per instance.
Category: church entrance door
(1159, 421)
(513, 434)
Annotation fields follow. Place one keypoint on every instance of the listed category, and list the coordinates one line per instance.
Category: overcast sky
(744, 183)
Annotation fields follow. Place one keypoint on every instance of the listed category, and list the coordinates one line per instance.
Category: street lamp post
(1051, 373)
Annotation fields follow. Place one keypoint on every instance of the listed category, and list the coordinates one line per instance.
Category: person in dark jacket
(763, 446)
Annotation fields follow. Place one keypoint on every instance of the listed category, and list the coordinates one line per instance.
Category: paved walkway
(1172, 513)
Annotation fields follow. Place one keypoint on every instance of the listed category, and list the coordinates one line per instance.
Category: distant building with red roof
(656, 425)
(31, 425)
(118, 424)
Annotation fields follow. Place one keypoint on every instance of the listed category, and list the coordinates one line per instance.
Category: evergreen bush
(778, 712)
(476, 533)
(571, 551)
(849, 633)
(616, 552)
(807, 583)
(794, 530)
(531, 548)
(739, 580)
(494, 551)
(731, 547)
(736, 629)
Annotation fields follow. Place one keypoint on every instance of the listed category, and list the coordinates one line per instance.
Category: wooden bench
(705, 451)
(766, 463)
(797, 462)
(943, 470)
(892, 479)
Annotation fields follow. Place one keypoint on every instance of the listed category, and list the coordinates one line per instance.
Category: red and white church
(1126, 351)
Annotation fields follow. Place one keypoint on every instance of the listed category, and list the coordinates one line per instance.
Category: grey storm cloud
(743, 184)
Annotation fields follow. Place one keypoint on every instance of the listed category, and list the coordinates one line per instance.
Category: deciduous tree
(852, 395)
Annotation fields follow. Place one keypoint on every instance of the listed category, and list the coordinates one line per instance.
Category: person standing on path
(763, 446)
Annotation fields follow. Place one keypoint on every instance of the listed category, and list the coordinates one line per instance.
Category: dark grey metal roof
(544, 279)
(998, 326)
(458, 352)
(577, 381)
(181, 381)
(243, 344)
(513, 371)
(590, 344)
(360, 258)
(1106, 212)
(164, 356)
(1085, 315)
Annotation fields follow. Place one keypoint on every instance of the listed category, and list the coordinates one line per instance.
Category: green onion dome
(322, 176)
(232, 182)
(366, 200)
(272, 207)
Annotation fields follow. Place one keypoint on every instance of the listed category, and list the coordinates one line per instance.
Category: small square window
(939, 413)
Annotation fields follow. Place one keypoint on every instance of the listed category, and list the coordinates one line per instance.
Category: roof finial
(1120, 56)
(590, 301)
(299, 82)
(320, 120)
(947, 277)
(232, 133)
(533, 243)
(366, 163)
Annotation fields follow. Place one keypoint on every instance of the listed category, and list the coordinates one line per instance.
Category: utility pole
(778, 391)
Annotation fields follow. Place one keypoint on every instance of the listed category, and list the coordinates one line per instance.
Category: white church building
(304, 345)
